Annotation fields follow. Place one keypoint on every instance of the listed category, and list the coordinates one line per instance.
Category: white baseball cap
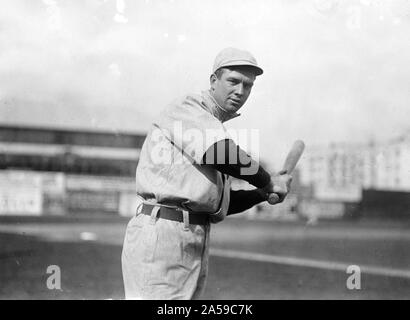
(230, 57)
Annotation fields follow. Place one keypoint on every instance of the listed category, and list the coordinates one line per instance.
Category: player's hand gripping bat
(290, 163)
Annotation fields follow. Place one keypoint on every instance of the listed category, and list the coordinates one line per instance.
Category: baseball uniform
(166, 245)
(165, 259)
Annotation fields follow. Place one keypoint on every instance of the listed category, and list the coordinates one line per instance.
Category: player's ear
(212, 80)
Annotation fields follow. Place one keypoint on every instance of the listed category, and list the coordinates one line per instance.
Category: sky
(335, 71)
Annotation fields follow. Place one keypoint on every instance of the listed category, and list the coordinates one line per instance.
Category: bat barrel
(293, 156)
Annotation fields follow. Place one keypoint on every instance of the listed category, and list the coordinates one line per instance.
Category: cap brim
(258, 70)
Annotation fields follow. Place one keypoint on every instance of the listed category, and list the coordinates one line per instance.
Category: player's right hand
(278, 188)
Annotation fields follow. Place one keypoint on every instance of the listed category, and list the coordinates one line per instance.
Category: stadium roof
(14, 112)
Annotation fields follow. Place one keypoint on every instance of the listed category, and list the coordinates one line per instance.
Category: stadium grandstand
(60, 171)
(80, 152)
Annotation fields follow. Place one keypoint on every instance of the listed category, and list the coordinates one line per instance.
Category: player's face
(233, 88)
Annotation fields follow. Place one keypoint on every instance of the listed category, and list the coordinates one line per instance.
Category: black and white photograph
(205, 150)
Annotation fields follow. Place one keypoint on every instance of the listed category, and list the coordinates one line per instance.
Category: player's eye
(248, 86)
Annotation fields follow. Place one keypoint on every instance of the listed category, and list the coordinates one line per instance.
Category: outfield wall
(50, 193)
(385, 204)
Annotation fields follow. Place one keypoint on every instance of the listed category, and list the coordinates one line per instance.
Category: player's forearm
(228, 158)
(242, 200)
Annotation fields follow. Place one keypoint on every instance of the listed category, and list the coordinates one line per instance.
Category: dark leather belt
(176, 214)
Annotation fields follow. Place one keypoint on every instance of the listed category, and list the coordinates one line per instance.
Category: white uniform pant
(163, 260)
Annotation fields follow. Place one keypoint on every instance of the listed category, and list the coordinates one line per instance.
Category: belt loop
(185, 215)
(154, 214)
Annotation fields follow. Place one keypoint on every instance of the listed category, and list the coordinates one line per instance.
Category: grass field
(249, 259)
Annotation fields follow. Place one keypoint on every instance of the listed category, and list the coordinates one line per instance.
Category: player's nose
(239, 90)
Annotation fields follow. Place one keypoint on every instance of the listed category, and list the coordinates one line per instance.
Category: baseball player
(183, 179)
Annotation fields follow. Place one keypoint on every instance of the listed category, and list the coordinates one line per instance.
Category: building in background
(56, 171)
(339, 174)
(341, 171)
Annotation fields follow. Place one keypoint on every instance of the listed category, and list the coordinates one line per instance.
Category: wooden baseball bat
(293, 156)
(290, 163)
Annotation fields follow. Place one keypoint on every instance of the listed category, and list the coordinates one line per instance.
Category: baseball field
(249, 259)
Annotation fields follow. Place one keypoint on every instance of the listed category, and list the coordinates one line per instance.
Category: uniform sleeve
(227, 157)
(242, 200)
(191, 128)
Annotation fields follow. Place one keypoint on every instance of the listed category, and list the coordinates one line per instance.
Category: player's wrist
(262, 194)
(268, 188)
